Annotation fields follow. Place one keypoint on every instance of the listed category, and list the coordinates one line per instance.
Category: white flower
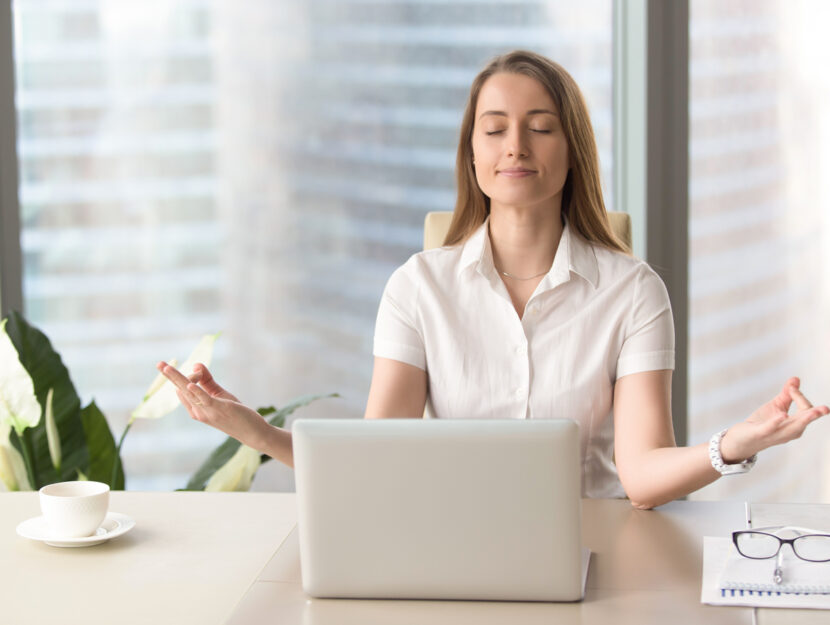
(161, 398)
(19, 407)
(53, 438)
(12, 468)
(237, 473)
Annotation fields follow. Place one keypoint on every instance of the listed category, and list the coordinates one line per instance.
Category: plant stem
(117, 463)
(28, 457)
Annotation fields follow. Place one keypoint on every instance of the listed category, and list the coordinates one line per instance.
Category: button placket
(522, 368)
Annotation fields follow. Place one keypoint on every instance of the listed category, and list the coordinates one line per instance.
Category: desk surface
(205, 558)
(189, 559)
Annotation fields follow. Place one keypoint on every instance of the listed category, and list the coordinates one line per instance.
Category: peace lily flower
(161, 398)
(19, 407)
(237, 473)
(53, 439)
(12, 468)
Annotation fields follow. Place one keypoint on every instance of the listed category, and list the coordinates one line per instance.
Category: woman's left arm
(654, 471)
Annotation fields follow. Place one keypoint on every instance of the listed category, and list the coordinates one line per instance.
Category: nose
(517, 143)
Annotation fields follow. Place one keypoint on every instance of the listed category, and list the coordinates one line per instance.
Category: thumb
(785, 398)
(207, 381)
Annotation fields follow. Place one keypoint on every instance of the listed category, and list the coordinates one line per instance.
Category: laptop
(440, 509)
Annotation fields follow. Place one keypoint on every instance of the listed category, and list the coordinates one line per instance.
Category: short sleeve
(397, 335)
(649, 340)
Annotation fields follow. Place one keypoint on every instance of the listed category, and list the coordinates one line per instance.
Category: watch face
(741, 467)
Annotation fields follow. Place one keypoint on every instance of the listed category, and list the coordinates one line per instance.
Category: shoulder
(615, 267)
(424, 266)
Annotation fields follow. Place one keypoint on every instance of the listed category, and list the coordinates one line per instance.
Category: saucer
(115, 524)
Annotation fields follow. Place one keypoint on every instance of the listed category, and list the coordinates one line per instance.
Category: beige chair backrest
(437, 224)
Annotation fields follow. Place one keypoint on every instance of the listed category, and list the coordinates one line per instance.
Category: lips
(516, 172)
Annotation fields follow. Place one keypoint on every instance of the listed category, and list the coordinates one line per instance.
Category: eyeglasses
(809, 545)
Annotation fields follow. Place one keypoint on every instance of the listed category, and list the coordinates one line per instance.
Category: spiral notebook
(730, 579)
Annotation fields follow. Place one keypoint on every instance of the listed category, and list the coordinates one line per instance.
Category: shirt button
(519, 392)
(521, 350)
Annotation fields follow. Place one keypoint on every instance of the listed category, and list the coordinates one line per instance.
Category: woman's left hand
(770, 424)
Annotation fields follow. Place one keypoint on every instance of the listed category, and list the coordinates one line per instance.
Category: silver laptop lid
(439, 509)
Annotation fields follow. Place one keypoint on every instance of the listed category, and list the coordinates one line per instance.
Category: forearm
(657, 476)
(277, 443)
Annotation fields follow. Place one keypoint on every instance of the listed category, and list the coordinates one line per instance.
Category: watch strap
(717, 460)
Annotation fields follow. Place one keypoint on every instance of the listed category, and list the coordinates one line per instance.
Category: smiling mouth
(516, 172)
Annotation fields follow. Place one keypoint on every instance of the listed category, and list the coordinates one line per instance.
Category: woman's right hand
(208, 402)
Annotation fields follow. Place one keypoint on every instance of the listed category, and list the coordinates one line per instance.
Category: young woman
(533, 309)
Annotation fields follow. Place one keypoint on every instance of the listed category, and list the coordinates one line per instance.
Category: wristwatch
(717, 460)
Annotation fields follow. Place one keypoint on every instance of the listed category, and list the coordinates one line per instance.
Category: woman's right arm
(397, 390)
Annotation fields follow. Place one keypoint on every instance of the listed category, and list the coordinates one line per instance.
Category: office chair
(437, 223)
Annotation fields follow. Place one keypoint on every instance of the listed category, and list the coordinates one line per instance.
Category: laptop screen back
(439, 509)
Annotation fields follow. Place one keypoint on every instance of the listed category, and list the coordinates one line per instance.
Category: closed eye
(540, 131)
(494, 132)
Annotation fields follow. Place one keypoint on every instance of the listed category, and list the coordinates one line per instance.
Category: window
(256, 168)
(758, 232)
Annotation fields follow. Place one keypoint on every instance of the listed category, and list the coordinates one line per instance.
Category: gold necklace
(510, 275)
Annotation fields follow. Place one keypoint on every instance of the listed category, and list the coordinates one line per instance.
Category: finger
(191, 410)
(207, 380)
(811, 414)
(197, 395)
(802, 402)
(784, 399)
(798, 422)
(173, 374)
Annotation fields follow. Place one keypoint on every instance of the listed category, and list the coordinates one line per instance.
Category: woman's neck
(524, 242)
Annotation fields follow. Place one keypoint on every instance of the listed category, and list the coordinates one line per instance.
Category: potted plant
(46, 436)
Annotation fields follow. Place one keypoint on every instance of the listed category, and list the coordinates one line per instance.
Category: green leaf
(47, 371)
(222, 454)
(102, 450)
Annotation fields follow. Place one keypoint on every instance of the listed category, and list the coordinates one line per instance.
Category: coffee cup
(74, 509)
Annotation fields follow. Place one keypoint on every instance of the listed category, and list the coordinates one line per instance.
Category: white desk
(189, 559)
(205, 558)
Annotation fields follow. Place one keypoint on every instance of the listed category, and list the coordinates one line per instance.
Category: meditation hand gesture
(771, 424)
(209, 403)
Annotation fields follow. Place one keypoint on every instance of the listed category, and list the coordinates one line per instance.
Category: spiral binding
(769, 589)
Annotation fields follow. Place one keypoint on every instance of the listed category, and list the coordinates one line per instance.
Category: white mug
(74, 509)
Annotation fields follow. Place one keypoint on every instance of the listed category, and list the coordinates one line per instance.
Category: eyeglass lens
(761, 545)
(758, 545)
(816, 548)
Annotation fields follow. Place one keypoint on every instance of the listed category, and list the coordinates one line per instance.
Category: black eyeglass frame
(781, 541)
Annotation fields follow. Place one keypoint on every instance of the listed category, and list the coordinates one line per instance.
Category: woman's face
(520, 152)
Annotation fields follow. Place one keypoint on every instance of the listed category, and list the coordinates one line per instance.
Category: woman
(534, 309)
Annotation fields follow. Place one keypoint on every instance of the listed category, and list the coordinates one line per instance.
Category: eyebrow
(531, 112)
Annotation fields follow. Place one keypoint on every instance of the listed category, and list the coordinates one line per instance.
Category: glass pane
(759, 224)
(252, 167)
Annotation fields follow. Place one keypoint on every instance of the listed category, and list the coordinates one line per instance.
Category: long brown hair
(582, 202)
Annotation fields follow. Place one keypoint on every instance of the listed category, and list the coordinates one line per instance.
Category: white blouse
(596, 316)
